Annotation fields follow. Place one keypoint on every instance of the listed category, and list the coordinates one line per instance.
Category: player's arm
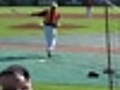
(43, 13)
(59, 16)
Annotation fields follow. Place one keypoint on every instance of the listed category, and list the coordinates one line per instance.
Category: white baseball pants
(50, 35)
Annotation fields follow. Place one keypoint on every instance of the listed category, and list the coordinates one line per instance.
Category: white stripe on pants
(50, 35)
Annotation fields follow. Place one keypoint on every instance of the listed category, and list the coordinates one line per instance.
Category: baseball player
(51, 17)
(89, 4)
(15, 77)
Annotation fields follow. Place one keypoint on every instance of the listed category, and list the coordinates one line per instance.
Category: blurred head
(13, 78)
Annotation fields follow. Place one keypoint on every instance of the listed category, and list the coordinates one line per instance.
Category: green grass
(70, 87)
(62, 9)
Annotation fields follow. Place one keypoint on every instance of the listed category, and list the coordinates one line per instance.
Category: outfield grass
(62, 9)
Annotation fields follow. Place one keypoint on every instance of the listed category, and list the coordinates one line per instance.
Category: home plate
(42, 60)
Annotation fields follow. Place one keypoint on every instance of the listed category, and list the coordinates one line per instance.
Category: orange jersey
(52, 17)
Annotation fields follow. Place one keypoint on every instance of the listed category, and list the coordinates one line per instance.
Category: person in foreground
(15, 77)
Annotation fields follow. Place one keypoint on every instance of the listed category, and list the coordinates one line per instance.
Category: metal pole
(108, 47)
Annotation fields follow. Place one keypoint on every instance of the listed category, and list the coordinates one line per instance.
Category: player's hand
(59, 25)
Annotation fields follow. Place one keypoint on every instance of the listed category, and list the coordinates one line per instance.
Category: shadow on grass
(16, 58)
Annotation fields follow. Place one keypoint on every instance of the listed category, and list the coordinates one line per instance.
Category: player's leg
(53, 38)
(50, 33)
(48, 36)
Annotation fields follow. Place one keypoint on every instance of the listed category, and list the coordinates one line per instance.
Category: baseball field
(81, 47)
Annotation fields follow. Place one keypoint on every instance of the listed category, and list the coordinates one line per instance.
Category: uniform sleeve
(42, 13)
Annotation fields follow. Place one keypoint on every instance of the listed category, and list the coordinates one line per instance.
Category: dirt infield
(61, 48)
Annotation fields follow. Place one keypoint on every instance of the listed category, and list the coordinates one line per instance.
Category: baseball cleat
(49, 54)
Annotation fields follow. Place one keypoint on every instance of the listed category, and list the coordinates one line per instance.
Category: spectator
(15, 77)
